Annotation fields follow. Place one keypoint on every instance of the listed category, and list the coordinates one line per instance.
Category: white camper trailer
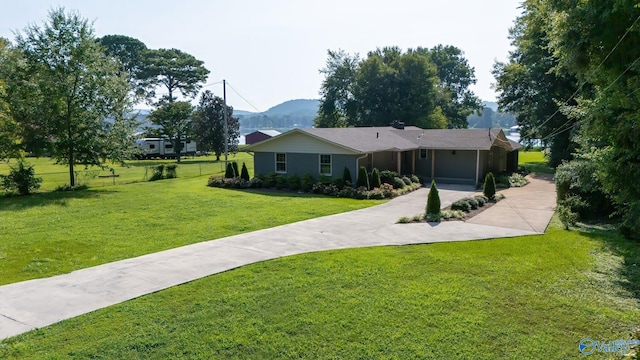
(158, 148)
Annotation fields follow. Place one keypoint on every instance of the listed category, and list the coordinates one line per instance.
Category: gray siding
(300, 164)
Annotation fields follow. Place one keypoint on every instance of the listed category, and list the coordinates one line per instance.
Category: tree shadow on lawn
(628, 250)
(56, 198)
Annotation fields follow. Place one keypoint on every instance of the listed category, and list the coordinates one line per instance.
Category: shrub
(256, 182)
(489, 189)
(171, 172)
(228, 174)
(502, 181)
(281, 181)
(517, 180)
(386, 176)
(294, 182)
(338, 182)
(406, 180)
(473, 203)
(415, 179)
(158, 173)
(398, 183)
(234, 165)
(433, 202)
(347, 192)
(270, 180)
(244, 174)
(481, 199)
(21, 179)
(578, 178)
(461, 204)
(404, 220)
(363, 178)
(346, 176)
(452, 214)
(567, 216)
(375, 178)
(387, 190)
(306, 183)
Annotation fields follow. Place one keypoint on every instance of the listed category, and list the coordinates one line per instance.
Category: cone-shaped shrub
(229, 171)
(245, 173)
(375, 178)
(346, 176)
(236, 172)
(363, 177)
(433, 202)
(489, 189)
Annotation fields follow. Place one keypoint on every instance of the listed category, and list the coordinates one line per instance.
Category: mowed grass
(530, 297)
(57, 232)
(54, 175)
(535, 162)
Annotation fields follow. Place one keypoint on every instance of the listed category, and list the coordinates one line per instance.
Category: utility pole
(226, 125)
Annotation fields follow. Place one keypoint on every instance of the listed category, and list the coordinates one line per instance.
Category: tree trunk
(72, 178)
(178, 148)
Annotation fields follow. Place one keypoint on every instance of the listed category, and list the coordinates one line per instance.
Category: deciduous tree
(208, 125)
(130, 52)
(62, 90)
(174, 122)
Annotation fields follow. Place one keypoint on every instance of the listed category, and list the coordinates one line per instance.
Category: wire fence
(126, 175)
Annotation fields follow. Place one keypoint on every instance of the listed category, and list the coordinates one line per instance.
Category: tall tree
(208, 125)
(338, 103)
(532, 87)
(390, 84)
(599, 42)
(456, 100)
(63, 89)
(130, 53)
(9, 131)
(174, 121)
(176, 71)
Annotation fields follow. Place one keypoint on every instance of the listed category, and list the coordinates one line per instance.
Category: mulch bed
(472, 213)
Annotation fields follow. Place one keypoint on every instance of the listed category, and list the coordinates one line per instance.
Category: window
(151, 146)
(325, 165)
(281, 163)
(168, 146)
(423, 153)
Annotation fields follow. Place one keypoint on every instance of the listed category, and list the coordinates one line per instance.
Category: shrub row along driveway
(41, 302)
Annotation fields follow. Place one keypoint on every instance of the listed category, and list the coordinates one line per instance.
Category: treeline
(573, 82)
(69, 94)
(428, 88)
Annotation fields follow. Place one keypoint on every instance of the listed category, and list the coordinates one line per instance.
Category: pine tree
(433, 203)
(375, 178)
(245, 173)
(346, 177)
(363, 178)
(489, 189)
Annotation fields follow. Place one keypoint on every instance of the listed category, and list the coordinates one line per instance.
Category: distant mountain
(282, 117)
(492, 105)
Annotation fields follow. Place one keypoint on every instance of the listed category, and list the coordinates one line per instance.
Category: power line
(243, 98)
(536, 128)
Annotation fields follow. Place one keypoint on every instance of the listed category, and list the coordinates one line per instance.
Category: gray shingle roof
(374, 139)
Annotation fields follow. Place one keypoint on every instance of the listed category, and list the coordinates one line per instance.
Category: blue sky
(270, 51)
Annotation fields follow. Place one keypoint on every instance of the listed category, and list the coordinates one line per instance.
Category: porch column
(477, 165)
(399, 159)
(413, 162)
(433, 164)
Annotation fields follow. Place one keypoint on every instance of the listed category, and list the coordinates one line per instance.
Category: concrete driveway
(37, 303)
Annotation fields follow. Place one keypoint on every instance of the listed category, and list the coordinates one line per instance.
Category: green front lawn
(529, 297)
(534, 162)
(57, 232)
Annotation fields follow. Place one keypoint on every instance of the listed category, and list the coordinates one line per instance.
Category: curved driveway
(36, 303)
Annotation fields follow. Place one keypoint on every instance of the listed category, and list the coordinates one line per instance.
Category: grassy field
(135, 171)
(534, 161)
(530, 297)
(57, 232)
